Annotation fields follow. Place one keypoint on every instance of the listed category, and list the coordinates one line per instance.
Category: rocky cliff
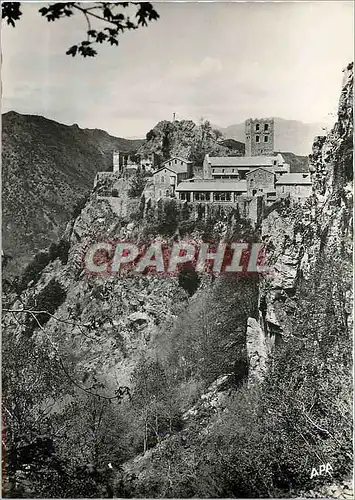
(181, 138)
(296, 237)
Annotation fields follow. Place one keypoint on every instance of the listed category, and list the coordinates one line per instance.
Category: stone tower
(116, 162)
(259, 136)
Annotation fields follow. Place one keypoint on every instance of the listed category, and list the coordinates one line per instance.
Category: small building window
(257, 138)
(175, 161)
(257, 127)
(266, 127)
(162, 179)
(266, 138)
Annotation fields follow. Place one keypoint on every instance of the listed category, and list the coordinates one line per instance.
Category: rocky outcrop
(178, 138)
(257, 351)
(211, 401)
(119, 315)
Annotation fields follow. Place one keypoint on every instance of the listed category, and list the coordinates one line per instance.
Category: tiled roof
(177, 158)
(296, 178)
(269, 170)
(241, 161)
(176, 169)
(212, 185)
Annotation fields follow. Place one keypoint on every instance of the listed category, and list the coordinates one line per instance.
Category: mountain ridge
(46, 168)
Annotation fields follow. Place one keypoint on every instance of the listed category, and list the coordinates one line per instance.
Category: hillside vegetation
(46, 168)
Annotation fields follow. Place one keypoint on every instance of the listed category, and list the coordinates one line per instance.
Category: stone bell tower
(117, 163)
(259, 137)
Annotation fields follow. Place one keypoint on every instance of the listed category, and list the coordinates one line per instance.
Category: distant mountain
(234, 145)
(46, 168)
(290, 135)
(297, 163)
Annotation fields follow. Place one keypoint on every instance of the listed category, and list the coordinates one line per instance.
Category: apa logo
(323, 469)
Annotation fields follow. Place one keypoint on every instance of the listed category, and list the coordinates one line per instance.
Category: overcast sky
(222, 61)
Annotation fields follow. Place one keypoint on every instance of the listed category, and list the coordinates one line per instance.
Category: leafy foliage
(79, 205)
(137, 184)
(46, 302)
(33, 270)
(45, 420)
(205, 144)
(110, 13)
(189, 279)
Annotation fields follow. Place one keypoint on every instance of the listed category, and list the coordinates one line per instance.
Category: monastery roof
(212, 185)
(176, 158)
(295, 178)
(269, 170)
(176, 169)
(281, 169)
(241, 161)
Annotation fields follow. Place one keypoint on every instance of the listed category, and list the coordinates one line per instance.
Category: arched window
(162, 179)
(257, 138)
(266, 127)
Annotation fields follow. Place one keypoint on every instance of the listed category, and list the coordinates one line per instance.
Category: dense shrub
(47, 301)
(79, 205)
(33, 270)
(168, 222)
(270, 437)
(189, 279)
(137, 184)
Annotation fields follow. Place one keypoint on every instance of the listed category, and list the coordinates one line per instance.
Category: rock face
(295, 236)
(178, 138)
